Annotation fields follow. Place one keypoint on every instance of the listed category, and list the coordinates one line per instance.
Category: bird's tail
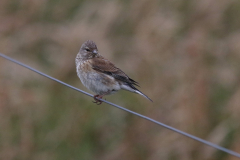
(131, 88)
(139, 92)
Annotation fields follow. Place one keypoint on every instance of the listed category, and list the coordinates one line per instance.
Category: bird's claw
(97, 101)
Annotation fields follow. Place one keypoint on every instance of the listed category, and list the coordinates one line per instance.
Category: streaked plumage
(100, 75)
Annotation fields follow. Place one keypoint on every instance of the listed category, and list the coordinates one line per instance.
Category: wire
(127, 110)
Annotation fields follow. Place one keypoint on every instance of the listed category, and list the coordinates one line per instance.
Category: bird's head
(88, 50)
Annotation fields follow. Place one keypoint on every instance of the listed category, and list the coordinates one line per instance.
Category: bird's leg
(97, 101)
(95, 98)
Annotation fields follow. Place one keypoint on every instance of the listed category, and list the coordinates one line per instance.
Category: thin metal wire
(127, 110)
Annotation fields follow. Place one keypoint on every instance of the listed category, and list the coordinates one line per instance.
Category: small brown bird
(100, 75)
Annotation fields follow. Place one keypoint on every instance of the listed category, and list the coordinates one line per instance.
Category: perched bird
(100, 75)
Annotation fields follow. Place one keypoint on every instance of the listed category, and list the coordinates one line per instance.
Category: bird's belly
(99, 83)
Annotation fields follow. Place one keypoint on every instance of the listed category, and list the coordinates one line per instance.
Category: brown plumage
(100, 75)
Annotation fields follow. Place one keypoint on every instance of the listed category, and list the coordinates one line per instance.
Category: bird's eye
(88, 50)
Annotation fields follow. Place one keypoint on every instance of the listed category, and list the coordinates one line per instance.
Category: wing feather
(103, 65)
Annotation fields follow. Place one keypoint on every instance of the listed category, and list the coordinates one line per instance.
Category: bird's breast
(97, 82)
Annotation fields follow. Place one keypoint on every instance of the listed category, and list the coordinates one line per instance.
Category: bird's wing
(105, 66)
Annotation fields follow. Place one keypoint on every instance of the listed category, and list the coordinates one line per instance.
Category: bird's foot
(97, 101)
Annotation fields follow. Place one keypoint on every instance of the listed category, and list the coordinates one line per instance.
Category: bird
(100, 75)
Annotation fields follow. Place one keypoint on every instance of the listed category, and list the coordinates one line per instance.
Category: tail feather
(139, 92)
(131, 88)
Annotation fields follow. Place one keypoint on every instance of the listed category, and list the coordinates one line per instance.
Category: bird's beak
(95, 51)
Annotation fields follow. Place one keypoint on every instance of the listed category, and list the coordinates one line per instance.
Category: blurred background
(185, 55)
